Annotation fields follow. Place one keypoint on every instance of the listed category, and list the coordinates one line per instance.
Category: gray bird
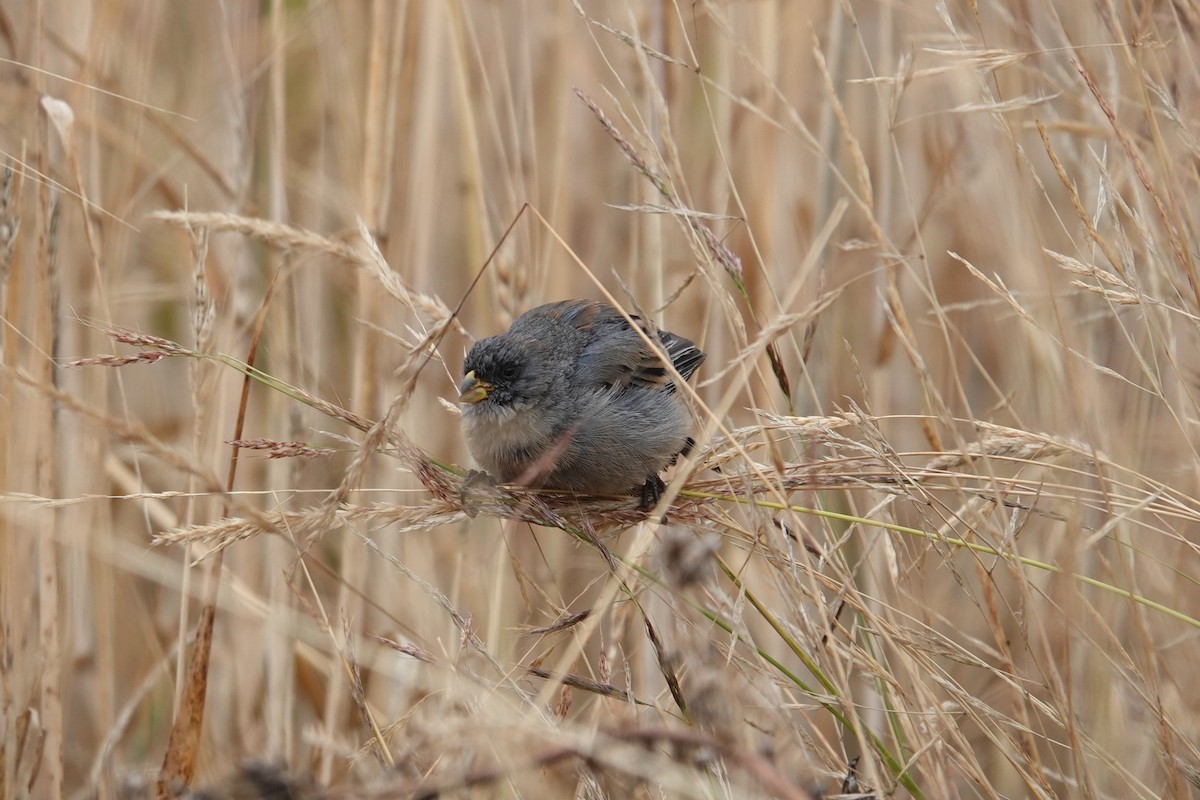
(573, 398)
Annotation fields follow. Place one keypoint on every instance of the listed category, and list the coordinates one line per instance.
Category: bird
(573, 398)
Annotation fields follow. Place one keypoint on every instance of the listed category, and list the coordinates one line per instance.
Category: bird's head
(502, 372)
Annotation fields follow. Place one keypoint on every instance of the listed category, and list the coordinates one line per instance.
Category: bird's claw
(652, 492)
(476, 484)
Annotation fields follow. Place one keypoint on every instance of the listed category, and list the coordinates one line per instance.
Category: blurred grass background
(967, 228)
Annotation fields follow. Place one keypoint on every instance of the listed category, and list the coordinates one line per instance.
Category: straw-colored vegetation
(939, 535)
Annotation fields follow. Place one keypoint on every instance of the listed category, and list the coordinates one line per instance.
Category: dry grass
(941, 533)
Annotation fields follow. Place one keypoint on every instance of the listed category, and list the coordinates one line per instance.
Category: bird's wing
(685, 356)
(615, 354)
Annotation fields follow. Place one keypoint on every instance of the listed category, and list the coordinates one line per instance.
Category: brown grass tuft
(939, 536)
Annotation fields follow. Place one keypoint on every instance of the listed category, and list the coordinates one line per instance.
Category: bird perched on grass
(572, 397)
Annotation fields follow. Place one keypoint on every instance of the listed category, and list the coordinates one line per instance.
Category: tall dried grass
(940, 534)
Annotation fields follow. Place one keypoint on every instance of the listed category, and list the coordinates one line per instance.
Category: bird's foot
(475, 485)
(476, 478)
(652, 491)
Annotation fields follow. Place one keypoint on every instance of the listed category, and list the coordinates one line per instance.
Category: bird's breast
(504, 441)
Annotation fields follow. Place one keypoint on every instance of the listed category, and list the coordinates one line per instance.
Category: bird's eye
(509, 372)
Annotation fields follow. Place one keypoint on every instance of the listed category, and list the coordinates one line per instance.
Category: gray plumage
(571, 397)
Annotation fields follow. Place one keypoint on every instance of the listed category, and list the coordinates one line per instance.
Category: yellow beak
(472, 390)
